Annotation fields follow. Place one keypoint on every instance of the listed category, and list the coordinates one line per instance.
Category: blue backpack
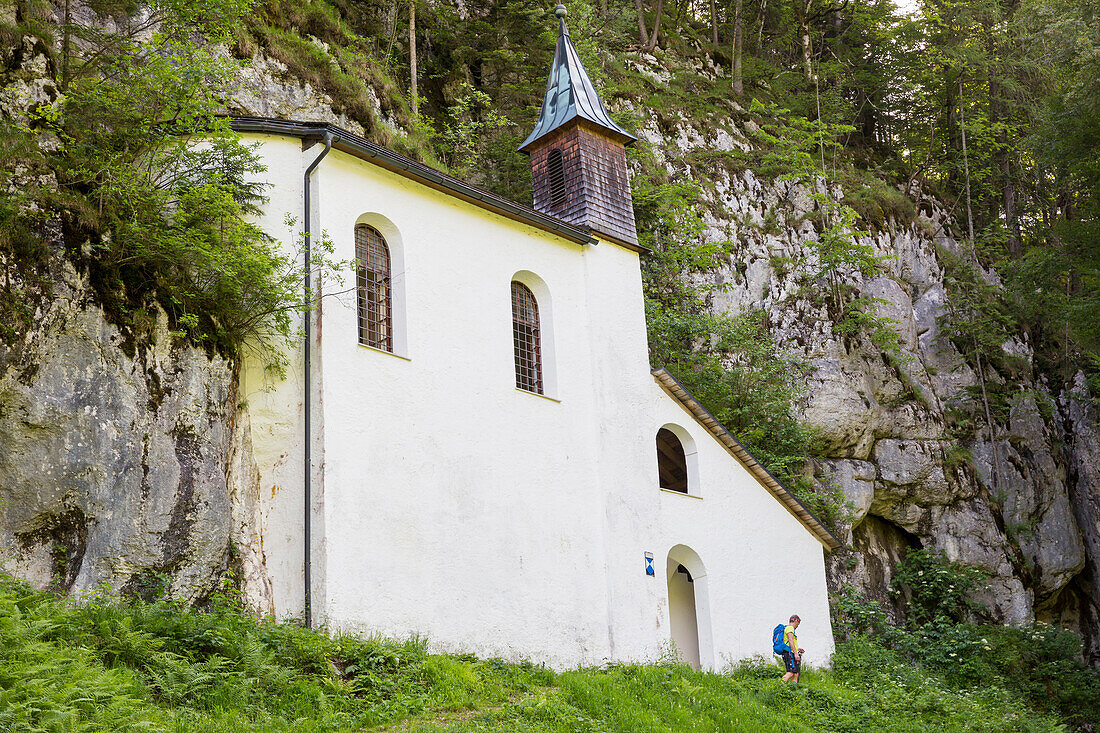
(779, 644)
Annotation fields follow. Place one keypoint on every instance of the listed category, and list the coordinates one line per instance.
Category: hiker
(785, 644)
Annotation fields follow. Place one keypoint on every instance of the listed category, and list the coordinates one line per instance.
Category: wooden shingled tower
(578, 153)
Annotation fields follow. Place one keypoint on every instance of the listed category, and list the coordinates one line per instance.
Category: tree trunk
(807, 60)
(656, 26)
(1012, 217)
(713, 22)
(996, 473)
(738, 47)
(65, 46)
(412, 60)
(643, 36)
(391, 28)
(804, 36)
(807, 52)
(997, 120)
(760, 27)
(966, 167)
(1004, 165)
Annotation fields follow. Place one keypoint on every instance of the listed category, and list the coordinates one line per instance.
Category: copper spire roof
(570, 94)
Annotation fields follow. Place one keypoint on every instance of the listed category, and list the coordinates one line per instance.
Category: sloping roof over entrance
(673, 387)
(570, 94)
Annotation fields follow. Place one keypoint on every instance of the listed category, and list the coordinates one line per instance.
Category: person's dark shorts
(792, 664)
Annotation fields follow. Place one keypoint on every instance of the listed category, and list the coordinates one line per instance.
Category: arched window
(555, 162)
(671, 461)
(372, 279)
(525, 338)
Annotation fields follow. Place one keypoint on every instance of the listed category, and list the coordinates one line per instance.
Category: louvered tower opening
(555, 163)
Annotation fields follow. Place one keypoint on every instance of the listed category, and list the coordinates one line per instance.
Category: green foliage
(912, 697)
(854, 615)
(938, 597)
(876, 202)
(153, 193)
(937, 587)
(956, 455)
(1043, 665)
(98, 665)
(1039, 665)
(977, 320)
(1058, 282)
(468, 120)
(793, 147)
(341, 50)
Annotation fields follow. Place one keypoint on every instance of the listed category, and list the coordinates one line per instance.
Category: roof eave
(414, 170)
(617, 134)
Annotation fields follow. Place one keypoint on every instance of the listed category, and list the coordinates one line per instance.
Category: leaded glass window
(372, 276)
(526, 339)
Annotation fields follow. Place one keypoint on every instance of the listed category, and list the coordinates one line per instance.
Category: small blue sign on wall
(649, 564)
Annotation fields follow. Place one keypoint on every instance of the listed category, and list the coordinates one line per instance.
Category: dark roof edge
(618, 135)
(625, 244)
(790, 502)
(414, 170)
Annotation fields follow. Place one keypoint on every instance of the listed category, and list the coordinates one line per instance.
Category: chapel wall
(761, 564)
(457, 506)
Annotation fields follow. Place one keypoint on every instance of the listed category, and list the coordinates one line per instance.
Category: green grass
(99, 665)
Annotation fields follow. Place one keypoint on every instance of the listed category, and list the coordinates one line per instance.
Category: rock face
(123, 465)
(1023, 503)
(115, 448)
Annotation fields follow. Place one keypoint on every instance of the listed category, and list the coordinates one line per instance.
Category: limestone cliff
(124, 464)
(116, 469)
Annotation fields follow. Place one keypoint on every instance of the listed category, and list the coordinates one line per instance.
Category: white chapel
(470, 444)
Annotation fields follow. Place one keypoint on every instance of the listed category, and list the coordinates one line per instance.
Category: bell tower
(578, 153)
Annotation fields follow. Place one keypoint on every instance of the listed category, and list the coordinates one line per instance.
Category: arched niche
(398, 298)
(668, 459)
(689, 607)
(541, 291)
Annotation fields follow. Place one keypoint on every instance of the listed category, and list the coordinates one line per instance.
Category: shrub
(856, 615)
(1040, 665)
(937, 588)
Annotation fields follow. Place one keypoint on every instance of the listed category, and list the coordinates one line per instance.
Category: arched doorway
(689, 607)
